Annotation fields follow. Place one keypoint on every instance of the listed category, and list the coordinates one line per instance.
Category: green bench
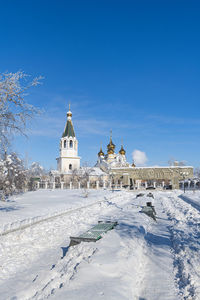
(94, 234)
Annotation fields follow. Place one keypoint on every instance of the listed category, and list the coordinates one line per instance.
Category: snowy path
(139, 259)
(185, 234)
(159, 276)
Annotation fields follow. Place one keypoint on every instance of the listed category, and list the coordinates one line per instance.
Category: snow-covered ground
(139, 259)
(24, 210)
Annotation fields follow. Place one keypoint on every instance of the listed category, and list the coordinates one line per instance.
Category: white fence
(77, 185)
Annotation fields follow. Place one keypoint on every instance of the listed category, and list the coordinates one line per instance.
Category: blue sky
(129, 66)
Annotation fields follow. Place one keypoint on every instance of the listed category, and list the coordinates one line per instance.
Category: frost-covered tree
(85, 173)
(14, 110)
(13, 176)
(33, 173)
(197, 172)
(81, 175)
(75, 177)
(173, 162)
(36, 169)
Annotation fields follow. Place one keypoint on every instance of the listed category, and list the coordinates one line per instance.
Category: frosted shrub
(13, 176)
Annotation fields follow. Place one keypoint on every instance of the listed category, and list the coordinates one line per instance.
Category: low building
(131, 176)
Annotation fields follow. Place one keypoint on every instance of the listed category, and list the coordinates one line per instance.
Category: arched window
(71, 144)
(70, 166)
(64, 143)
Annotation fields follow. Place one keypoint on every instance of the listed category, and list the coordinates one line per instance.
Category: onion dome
(69, 114)
(111, 146)
(122, 151)
(133, 165)
(100, 152)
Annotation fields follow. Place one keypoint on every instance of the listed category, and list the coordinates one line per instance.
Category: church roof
(69, 129)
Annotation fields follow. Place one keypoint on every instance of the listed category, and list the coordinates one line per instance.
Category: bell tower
(69, 159)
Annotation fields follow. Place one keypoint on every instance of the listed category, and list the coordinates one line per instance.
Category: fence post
(97, 184)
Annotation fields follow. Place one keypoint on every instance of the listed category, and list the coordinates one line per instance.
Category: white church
(68, 162)
(68, 159)
(111, 168)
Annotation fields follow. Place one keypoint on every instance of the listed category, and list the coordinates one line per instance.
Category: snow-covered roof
(155, 167)
(97, 171)
(54, 172)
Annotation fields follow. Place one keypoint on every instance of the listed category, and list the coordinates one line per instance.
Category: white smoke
(139, 158)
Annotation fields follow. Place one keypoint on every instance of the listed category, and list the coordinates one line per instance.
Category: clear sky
(129, 66)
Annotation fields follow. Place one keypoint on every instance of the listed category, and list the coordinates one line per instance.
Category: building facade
(138, 177)
(131, 176)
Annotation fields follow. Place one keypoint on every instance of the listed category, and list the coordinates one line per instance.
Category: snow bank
(34, 207)
(192, 198)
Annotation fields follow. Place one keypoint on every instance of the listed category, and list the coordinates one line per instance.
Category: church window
(70, 166)
(65, 144)
(71, 144)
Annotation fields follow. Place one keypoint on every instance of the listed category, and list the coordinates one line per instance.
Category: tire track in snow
(158, 280)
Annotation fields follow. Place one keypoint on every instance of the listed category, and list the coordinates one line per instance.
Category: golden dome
(110, 151)
(111, 146)
(69, 114)
(100, 152)
(122, 151)
(133, 165)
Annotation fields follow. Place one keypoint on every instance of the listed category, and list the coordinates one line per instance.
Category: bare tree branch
(14, 110)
